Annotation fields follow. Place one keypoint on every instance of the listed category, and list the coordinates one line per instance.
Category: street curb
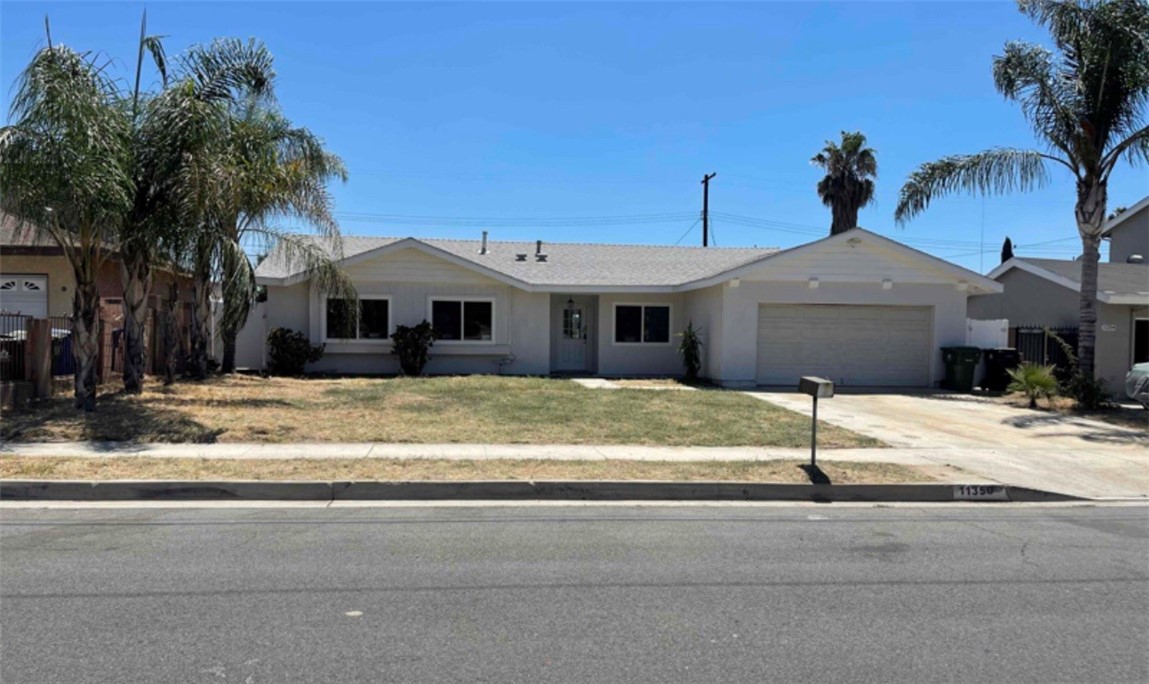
(504, 490)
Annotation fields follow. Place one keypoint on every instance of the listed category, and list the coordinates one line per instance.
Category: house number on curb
(980, 493)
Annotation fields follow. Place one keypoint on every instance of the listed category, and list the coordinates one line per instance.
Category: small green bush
(1089, 393)
(288, 351)
(691, 350)
(412, 344)
(1034, 380)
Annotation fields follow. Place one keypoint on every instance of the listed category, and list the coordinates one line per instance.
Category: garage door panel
(852, 345)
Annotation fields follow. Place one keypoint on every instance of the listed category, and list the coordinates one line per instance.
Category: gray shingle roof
(567, 264)
(1120, 279)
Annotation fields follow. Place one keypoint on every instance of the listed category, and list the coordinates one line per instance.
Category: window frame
(461, 299)
(357, 339)
(642, 322)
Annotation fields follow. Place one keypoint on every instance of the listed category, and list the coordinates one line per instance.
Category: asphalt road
(603, 594)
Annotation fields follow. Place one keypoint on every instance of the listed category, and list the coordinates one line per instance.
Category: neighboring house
(36, 279)
(857, 307)
(1045, 293)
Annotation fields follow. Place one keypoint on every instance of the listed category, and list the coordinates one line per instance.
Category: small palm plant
(1034, 380)
(691, 350)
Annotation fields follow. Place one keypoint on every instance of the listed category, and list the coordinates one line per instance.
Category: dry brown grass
(89, 468)
(651, 383)
(475, 409)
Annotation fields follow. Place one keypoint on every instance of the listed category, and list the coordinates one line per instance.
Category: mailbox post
(816, 388)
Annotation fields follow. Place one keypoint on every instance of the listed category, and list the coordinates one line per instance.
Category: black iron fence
(13, 346)
(1037, 345)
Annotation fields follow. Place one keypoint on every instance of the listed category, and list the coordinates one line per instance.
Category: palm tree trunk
(201, 325)
(171, 331)
(228, 335)
(1090, 212)
(137, 276)
(86, 341)
(844, 218)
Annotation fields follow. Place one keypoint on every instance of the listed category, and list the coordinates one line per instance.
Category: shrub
(1088, 392)
(413, 347)
(1034, 381)
(691, 350)
(288, 351)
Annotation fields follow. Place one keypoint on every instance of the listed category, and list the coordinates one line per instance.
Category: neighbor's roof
(567, 264)
(1143, 203)
(14, 233)
(1116, 283)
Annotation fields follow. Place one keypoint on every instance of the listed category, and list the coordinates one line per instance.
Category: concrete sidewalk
(1090, 473)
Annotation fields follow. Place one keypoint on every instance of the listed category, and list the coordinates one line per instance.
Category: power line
(679, 240)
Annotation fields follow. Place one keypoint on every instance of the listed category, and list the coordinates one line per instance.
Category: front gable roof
(581, 267)
(1116, 283)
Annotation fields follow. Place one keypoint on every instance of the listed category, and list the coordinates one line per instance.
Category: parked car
(1137, 384)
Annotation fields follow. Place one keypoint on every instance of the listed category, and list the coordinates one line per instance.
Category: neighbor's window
(374, 319)
(463, 320)
(638, 324)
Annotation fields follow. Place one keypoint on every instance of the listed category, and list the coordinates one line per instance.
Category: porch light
(887, 284)
(813, 283)
(570, 303)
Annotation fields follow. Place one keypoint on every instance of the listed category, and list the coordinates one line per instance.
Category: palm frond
(991, 172)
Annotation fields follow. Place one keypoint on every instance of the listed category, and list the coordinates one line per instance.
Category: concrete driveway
(1002, 443)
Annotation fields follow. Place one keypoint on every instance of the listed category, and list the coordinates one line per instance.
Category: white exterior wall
(704, 307)
(411, 278)
(639, 359)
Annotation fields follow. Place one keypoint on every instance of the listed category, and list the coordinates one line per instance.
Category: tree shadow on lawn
(118, 418)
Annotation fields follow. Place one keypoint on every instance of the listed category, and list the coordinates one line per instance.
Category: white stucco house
(857, 307)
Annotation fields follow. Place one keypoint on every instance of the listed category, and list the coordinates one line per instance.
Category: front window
(374, 319)
(641, 324)
(463, 320)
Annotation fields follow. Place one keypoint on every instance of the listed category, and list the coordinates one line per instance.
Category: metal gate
(1036, 345)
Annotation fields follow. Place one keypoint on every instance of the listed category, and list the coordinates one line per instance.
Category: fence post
(39, 362)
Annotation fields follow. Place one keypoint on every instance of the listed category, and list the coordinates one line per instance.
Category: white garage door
(880, 346)
(24, 294)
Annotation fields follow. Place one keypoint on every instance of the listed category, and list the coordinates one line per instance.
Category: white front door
(573, 335)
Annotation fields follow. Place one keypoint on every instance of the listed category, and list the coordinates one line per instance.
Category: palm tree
(851, 168)
(182, 122)
(1086, 104)
(64, 171)
(269, 169)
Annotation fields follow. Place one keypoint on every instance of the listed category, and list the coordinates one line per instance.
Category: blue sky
(520, 118)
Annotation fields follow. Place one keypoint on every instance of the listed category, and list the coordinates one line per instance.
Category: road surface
(797, 593)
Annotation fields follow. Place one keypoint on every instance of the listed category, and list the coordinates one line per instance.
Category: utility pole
(706, 209)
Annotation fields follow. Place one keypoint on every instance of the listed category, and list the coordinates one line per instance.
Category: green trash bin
(961, 362)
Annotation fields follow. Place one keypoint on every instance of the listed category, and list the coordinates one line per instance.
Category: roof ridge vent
(540, 257)
(521, 257)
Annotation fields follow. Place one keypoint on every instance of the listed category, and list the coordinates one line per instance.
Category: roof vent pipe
(483, 249)
(538, 246)
(1135, 259)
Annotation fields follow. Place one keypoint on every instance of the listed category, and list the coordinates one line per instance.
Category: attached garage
(858, 345)
(24, 294)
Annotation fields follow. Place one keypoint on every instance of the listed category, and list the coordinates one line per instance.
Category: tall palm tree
(1086, 103)
(180, 123)
(851, 168)
(268, 170)
(64, 171)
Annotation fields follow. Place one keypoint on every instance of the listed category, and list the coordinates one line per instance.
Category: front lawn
(474, 409)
